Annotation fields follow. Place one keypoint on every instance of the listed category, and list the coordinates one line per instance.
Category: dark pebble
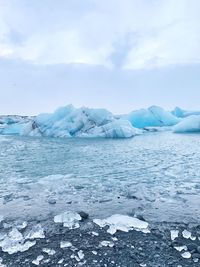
(83, 215)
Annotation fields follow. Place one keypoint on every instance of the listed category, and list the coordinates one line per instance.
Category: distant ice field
(156, 175)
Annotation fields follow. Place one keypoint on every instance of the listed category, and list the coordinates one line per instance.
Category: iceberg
(71, 122)
(152, 117)
(190, 124)
(181, 113)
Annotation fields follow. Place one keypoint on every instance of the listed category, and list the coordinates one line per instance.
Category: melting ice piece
(36, 232)
(174, 234)
(38, 260)
(81, 255)
(181, 248)
(65, 244)
(69, 219)
(123, 223)
(186, 234)
(186, 255)
(107, 244)
(1, 218)
(49, 251)
(14, 242)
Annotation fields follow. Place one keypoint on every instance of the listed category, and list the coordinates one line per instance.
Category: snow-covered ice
(123, 223)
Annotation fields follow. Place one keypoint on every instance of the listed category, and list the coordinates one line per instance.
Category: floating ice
(69, 219)
(38, 260)
(153, 116)
(186, 255)
(174, 234)
(123, 223)
(69, 121)
(190, 124)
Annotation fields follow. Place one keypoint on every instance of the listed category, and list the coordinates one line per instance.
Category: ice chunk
(49, 251)
(69, 219)
(14, 242)
(186, 255)
(153, 116)
(174, 234)
(186, 234)
(181, 248)
(65, 244)
(81, 255)
(188, 125)
(107, 244)
(38, 260)
(123, 223)
(36, 232)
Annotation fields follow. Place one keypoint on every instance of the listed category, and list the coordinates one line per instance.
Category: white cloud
(161, 32)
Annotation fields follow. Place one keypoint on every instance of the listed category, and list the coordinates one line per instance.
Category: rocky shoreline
(166, 244)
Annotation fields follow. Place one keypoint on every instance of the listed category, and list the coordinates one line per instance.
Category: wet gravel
(132, 249)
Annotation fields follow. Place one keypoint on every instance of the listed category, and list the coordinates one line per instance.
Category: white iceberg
(123, 223)
(190, 124)
(151, 117)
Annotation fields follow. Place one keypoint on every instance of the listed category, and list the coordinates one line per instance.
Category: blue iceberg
(190, 124)
(152, 117)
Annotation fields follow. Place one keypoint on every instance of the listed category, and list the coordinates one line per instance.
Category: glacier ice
(123, 223)
(189, 124)
(153, 116)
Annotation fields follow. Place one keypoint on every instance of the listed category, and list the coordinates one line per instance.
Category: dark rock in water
(196, 256)
(83, 215)
(52, 201)
(69, 202)
(192, 247)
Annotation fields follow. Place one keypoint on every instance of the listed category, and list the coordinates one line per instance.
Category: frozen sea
(156, 175)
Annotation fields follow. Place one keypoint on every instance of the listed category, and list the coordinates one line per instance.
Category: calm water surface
(156, 175)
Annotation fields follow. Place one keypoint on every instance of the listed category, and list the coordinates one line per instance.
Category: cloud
(134, 34)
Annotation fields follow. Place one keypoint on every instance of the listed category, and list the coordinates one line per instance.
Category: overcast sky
(117, 54)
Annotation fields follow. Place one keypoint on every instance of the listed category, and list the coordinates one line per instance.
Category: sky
(117, 54)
